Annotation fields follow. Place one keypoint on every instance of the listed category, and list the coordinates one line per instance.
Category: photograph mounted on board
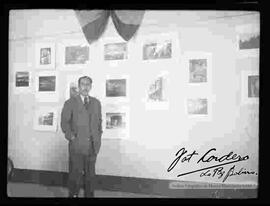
(45, 55)
(115, 120)
(115, 51)
(157, 50)
(116, 87)
(197, 70)
(22, 79)
(45, 119)
(248, 40)
(197, 106)
(76, 55)
(250, 88)
(47, 83)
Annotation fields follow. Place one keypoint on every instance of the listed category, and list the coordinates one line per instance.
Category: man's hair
(84, 77)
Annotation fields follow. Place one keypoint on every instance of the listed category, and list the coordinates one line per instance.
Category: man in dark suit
(81, 121)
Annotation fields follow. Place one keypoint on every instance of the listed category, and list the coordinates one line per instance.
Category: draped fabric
(94, 22)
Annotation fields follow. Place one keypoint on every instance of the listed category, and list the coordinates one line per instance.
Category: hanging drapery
(94, 22)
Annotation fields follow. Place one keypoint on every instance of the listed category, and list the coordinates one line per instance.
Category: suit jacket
(84, 124)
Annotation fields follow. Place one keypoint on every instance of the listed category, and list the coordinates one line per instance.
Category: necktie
(85, 102)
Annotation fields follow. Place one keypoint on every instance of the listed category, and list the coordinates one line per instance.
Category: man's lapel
(80, 103)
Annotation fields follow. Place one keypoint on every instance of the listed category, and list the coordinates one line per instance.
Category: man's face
(85, 86)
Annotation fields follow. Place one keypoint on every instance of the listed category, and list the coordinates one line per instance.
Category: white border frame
(41, 45)
(149, 105)
(47, 96)
(244, 29)
(156, 37)
(244, 88)
(18, 90)
(199, 117)
(113, 40)
(42, 110)
(112, 108)
(116, 99)
(198, 55)
(72, 42)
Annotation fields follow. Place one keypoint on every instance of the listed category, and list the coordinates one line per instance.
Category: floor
(36, 190)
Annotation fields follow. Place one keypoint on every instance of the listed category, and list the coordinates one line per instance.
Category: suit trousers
(81, 170)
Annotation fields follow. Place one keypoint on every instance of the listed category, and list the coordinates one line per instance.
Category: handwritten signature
(182, 155)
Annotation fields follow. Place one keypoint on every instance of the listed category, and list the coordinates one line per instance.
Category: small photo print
(45, 56)
(115, 120)
(116, 88)
(46, 119)
(249, 41)
(253, 86)
(157, 50)
(22, 79)
(197, 106)
(47, 83)
(197, 70)
(115, 51)
(156, 91)
(76, 54)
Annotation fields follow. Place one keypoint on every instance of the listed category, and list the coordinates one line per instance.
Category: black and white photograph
(116, 88)
(253, 86)
(250, 87)
(47, 84)
(45, 55)
(115, 120)
(115, 51)
(134, 103)
(22, 79)
(197, 70)
(248, 40)
(157, 50)
(76, 55)
(45, 119)
(197, 106)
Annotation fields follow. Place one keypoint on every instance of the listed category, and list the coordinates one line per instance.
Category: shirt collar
(82, 98)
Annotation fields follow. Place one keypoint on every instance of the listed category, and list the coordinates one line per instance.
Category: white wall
(155, 136)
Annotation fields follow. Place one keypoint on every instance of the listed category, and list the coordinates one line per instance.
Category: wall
(155, 136)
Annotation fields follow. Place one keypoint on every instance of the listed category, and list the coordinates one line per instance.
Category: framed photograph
(157, 93)
(160, 47)
(72, 88)
(198, 107)
(117, 122)
(250, 87)
(45, 55)
(198, 68)
(47, 86)
(117, 88)
(75, 54)
(22, 81)
(115, 51)
(248, 40)
(45, 119)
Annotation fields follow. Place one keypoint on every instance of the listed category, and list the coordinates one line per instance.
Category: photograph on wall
(45, 55)
(157, 93)
(157, 50)
(115, 51)
(45, 119)
(22, 79)
(198, 67)
(117, 121)
(72, 88)
(250, 87)
(248, 40)
(22, 82)
(46, 86)
(197, 70)
(116, 88)
(76, 55)
(199, 107)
